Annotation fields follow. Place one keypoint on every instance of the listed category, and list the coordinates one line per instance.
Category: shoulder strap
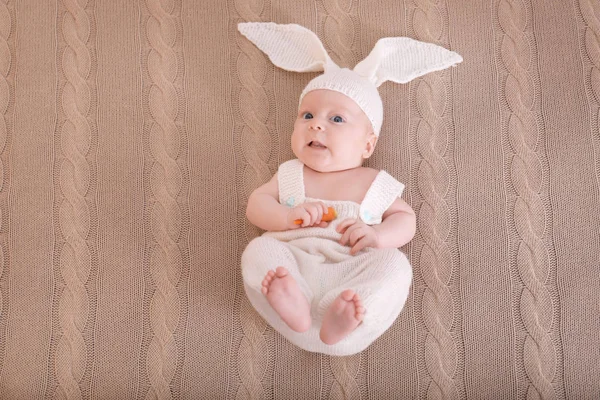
(381, 194)
(290, 178)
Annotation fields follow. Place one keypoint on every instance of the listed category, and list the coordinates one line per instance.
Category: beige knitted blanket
(132, 133)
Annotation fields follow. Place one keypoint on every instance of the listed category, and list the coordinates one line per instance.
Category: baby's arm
(264, 209)
(398, 225)
(397, 228)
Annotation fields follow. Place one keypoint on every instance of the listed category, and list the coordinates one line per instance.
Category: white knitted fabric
(398, 59)
(323, 268)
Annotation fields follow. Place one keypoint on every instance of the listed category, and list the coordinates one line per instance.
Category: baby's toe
(348, 294)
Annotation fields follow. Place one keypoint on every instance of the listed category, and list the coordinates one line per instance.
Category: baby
(332, 136)
(332, 287)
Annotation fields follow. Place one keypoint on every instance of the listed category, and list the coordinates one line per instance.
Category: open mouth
(316, 145)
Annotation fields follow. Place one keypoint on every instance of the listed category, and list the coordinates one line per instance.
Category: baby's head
(338, 90)
(338, 123)
(332, 132)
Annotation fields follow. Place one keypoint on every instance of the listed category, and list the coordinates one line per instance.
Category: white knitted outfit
(323, 268)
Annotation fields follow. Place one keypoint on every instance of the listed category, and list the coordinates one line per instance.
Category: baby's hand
(358, 234)
(310, 214)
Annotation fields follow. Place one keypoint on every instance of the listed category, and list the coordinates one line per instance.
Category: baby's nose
(316, 126)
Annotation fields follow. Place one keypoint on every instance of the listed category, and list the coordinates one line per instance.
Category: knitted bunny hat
(398, 59)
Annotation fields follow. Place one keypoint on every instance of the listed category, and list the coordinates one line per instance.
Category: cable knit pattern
(499, 156)
(589, 12)
(76, 207)
(6, 98)
(535, 301)
(6, 60)
(339, 31)
(255, 139)
(167, 210)
(436, 242)
(250, 69)
(345, 370)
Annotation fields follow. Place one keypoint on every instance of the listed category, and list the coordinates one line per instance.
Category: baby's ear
(370, 145)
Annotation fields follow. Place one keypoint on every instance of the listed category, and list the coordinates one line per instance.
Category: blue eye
(307, 115)
(338, 119)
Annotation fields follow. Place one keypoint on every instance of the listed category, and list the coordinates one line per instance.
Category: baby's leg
(342, 317)
(379, 284)
(284, 288)
(287, 300)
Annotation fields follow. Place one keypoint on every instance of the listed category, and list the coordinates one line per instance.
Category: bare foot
(287, 300)
(342, 317)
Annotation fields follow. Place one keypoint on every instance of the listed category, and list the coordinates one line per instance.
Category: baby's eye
(307, 115)
(337, 119)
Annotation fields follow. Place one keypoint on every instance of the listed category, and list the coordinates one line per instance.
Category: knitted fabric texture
(398, 59)
(323, 268)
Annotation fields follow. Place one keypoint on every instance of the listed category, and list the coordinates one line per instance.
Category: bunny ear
(290, 47)
(402, 59)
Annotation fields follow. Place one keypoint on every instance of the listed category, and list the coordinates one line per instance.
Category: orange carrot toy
(330, 216)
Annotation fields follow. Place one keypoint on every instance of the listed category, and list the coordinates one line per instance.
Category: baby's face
(331, 132)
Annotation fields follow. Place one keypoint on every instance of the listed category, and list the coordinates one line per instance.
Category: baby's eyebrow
(342, 111)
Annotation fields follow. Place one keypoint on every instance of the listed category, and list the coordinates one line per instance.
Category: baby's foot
(287, 300)
(342, 317)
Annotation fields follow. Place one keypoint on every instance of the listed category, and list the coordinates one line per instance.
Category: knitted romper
(323, 268)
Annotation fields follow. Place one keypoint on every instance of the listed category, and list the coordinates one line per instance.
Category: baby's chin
(329, 167)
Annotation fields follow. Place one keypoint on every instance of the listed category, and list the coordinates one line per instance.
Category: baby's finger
(323, 208)
(305, 219)
(346, 236)
(314, 215)
(361, 244)
(345, 224)
(320, 210)
(323, 224)
(356, 235)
